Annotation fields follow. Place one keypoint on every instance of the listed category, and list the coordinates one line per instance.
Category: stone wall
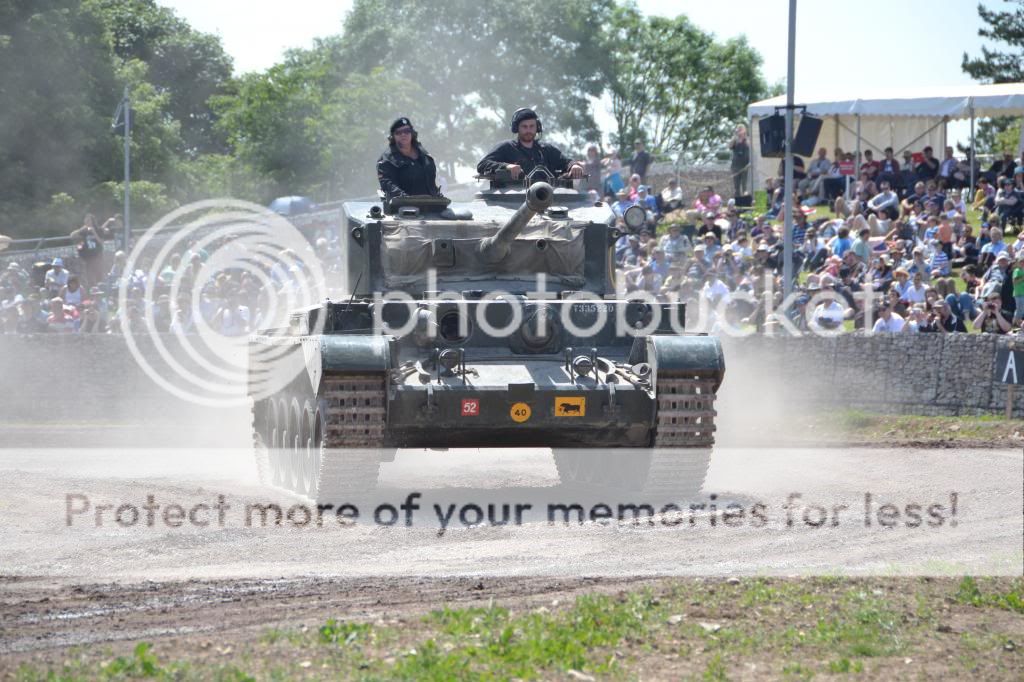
(927, 374)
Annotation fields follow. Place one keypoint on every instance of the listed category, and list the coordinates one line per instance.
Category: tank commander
(520, 155)
(406, 169)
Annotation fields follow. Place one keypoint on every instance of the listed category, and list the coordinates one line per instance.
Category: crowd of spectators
(80, 294)
(908, 236)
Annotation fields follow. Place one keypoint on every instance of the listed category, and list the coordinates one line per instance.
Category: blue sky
(857, 45)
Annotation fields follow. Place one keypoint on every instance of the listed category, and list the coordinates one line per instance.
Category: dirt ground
(690, 600)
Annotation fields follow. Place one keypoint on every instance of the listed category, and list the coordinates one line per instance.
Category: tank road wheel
(260, 441)
(307, 483)
(285, 452)
(294, 448)
(276, 468)
(352, 420)
(683, 437)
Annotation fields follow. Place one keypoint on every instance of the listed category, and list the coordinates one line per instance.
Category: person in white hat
(56, 277)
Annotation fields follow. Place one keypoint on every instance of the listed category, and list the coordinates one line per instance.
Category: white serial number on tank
(593, 308)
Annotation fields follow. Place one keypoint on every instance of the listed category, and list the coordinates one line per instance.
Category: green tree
(675, 87)
(476, 62)
(308, 132)
(57, 89)
(186, 65)
(1000, 134)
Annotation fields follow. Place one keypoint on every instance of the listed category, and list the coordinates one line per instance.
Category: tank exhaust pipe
(538, 198)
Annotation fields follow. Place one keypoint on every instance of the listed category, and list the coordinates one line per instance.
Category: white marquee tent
(904, 119)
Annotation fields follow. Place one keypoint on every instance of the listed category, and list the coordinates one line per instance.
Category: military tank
(490, 323)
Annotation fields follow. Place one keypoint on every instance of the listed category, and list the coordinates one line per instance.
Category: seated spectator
(671, 196)
(888, 320)
(950, 175)
(889, 169)
(914, 292)
(1007, 203)
(993, 246)
(707, 201)
(939, 263)
(817, 170)
(965, 251)
(62, 319)
(56, 277)
(841, 243)
(918, 263)
(634, 186)
(944, 321)
(985, 195)
(73, 293)
(829, 314)
(814, 251)
(31, 320)
(990, 320)
(870, 167)
(862, 244)
(917, 320)
(885, 204)
(633, 254)
(649, 204)
(622, 203)
(708, 224)
(675, 244)
(929, 166)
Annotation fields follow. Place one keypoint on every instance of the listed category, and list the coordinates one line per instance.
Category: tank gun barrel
(538, 198)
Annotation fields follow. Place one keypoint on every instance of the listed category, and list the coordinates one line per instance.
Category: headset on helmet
(523, 114)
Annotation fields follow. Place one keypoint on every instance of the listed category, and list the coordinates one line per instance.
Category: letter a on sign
(1011, 366)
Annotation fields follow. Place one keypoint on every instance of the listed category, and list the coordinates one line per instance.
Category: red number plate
(470, 407)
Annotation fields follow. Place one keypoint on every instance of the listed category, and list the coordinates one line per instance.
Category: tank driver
(520, 155)
(406, 169)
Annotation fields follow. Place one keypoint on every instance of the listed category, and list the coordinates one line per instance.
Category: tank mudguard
(354, 353)
(696, 355)
(341, 353)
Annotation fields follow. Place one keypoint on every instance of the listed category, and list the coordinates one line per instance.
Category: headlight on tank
(634, 217)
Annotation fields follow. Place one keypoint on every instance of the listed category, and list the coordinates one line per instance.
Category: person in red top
(945, 236)
(870, 166)
(63, 319)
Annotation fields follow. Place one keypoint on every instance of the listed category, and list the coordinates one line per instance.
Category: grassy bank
(677, 629)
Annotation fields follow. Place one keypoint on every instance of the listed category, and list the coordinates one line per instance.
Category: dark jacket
(400, 175)
(526, 158)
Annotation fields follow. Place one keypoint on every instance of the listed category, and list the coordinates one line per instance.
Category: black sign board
(1010, 366)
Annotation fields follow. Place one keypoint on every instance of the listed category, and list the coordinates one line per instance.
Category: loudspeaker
(806, 135)
(745, 201)
(772, 132)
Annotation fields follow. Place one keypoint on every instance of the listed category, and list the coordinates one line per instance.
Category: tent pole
(856, 164)
(750, 166)
(970, 189)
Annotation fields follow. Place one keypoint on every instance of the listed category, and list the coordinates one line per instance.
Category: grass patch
(969, 592)
(684, 629)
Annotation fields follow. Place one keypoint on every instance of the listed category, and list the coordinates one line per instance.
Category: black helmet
(524, 114)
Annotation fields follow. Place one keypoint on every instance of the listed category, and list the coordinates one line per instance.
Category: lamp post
(123, 116)
(787, 186)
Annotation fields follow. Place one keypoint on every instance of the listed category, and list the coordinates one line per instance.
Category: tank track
(683, 437)
(355, 422)
(681, 449)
